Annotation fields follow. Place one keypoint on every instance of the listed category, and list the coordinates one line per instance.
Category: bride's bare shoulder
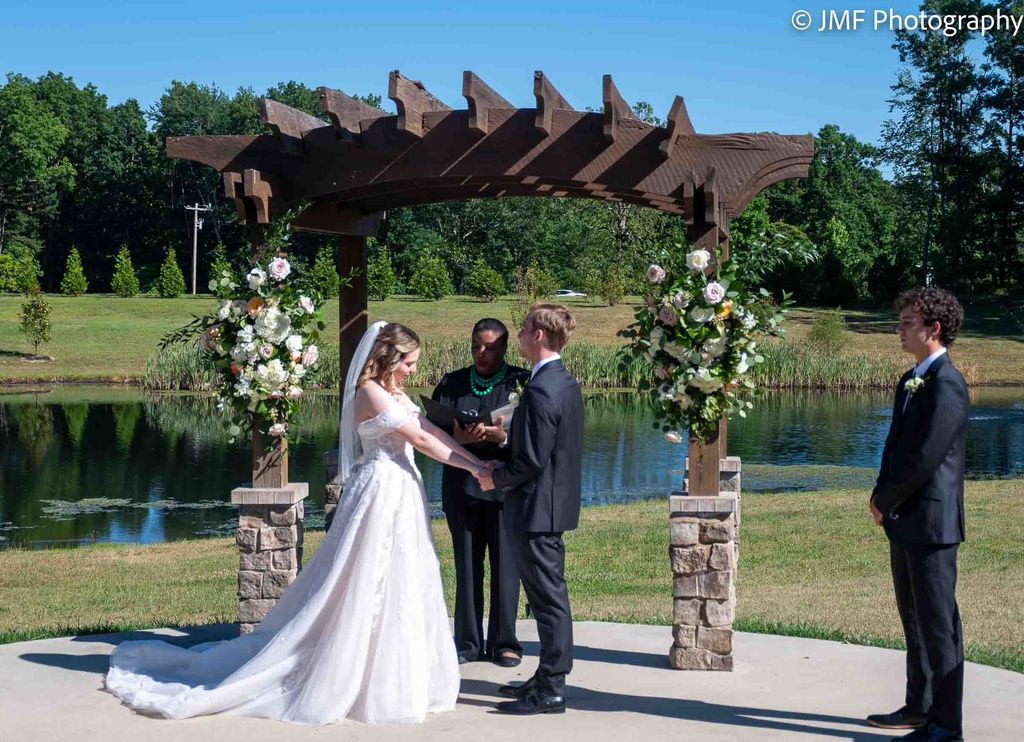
(371, 399)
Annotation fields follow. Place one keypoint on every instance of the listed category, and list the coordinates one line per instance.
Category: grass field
(811, 564)
(103, 337)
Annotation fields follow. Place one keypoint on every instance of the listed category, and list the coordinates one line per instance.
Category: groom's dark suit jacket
(920, 487)
(542, 481)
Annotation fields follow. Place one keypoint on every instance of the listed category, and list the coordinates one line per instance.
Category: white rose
(705, 382)
(245, 335)
(702, 314)
(225, 311)
(655, 273)
(698, 260)
(293, 343)
(277, 429)
(274, 325)
(714, 292)
(716, 347)
(310, 356)
(294, 392)
(743, 366)
(256, 278)
(298, 371)
(239, 354)
(307, 304)
(668, 316)
(272, 375)
(279, 269)
(673, 436)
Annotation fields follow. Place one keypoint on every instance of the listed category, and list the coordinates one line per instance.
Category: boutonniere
(913, 384)
(517, 392)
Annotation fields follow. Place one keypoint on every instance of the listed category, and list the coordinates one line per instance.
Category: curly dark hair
(935, 305)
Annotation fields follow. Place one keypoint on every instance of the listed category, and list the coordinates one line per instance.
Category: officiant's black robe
(476, 521)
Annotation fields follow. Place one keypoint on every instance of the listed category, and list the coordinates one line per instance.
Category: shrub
(431, 281)
(8, 274)
(35, 319)
(484, 282)
(124, 283)
(612, 285)
(220, 284)
(170, 283)
(20, 270)
(324, 275)
(828, 333)
(532, 284)
(73, 283)
(380, 277)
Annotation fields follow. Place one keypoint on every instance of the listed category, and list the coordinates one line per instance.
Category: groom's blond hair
(557, 322)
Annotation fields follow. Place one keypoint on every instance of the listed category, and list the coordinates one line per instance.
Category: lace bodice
(377, 435)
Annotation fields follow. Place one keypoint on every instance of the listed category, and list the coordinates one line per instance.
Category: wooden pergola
(367, 161)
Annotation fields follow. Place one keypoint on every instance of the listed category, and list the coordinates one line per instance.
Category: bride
(363, 630)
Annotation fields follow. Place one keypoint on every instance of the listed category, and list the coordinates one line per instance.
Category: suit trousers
(924, 577)
(541, 560)
(477, 527)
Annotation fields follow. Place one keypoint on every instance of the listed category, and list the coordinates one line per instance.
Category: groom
(541, 487)
(919, 500)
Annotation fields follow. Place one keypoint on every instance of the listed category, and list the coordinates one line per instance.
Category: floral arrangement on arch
(699, 333)
(263, 342)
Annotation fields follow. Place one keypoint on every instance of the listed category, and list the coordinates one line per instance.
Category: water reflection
(82, 464)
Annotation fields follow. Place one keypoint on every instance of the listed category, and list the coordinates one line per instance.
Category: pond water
(86, 464)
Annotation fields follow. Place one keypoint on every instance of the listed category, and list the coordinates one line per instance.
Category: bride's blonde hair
(394, 342)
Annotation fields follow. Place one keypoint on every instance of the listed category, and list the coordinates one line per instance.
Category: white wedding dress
(362, 633)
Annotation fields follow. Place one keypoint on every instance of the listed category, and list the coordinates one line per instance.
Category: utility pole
(197, 224)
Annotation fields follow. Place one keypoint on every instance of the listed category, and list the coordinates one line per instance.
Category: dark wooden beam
(346, 112)
(678, 123)
(480, 98)
(548, 101)
(285, 120)
(615, 108)
(352, 308)
(413, 100)
(258, 192)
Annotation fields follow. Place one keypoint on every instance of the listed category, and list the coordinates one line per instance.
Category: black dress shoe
(931, 733)
(904, 718)
(517, 690)
(534, 702)
(507, 660)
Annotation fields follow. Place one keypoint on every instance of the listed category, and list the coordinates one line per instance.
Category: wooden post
(352, 313)
(269, 465)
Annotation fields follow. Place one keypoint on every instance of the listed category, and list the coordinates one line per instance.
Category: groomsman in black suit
(475, 517)
(919, 500)
(541, 486)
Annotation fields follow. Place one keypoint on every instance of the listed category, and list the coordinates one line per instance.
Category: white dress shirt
(921, 369)
(542, 363)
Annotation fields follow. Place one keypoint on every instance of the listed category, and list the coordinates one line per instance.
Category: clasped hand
(485, 475)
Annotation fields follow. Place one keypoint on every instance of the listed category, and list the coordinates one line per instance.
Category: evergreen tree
(324, 275)
(124, 283)
(35, 320)
(170, 283)
(74, 283)
(431, 281)
(484, 282)
(222, 275)
(380, 277)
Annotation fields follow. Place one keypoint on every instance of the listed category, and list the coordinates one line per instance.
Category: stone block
(723, 556)
(729, 482)
(283, 515)
(253, 611)
(685, 586)
(716, 531)
(246, 539)
(721, 662)
(690, 658)
(716, 639)
(274, 583)
(258, 561)
(688, 560)
(284, 537)
(714, 585)
(684, 636)
(247, 628)
(332, 494)
(251, 517)
(719, 612)
(686, 611)
(250, 585)
(284, 560)
(683, 534)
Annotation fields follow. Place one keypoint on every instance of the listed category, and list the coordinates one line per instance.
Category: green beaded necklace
(480, 386)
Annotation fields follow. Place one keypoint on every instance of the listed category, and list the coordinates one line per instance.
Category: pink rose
(266, 350)
(277, 429)
(310, 356)
(655, 273)
(279, 269)
(714, 292)
(668, 316)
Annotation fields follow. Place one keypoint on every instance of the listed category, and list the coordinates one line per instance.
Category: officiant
(474, 516)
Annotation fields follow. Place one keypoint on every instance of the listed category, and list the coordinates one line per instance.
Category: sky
(741, 66)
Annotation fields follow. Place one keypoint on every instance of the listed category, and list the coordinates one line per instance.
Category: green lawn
(103, 337)
(811, 563)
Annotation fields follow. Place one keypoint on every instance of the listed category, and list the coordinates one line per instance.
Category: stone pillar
(332, 490)
(269, 538)
(703, 550)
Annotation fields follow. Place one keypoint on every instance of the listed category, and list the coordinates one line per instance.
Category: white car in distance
(564, 293)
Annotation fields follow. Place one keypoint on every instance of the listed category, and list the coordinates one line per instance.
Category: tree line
(939, 197)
